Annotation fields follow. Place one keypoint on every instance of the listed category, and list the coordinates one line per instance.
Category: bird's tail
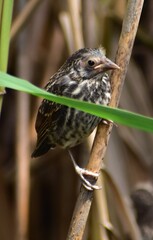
(41, 149)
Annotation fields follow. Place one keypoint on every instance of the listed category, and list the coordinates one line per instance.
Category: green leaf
(117, 115)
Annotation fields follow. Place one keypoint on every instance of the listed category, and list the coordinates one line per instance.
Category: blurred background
(37, 196)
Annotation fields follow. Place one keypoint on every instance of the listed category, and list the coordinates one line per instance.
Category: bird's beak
(107, 64)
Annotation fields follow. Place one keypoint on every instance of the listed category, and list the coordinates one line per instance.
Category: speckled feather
(58, 125)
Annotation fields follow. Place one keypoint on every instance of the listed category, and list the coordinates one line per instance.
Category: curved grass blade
(117, 115)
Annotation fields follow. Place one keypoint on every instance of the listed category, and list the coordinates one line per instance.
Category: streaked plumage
(83, 76)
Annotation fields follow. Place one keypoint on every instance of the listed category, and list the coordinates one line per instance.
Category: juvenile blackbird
(83, 76)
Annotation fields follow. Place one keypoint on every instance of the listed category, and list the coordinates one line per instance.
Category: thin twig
(129, 29)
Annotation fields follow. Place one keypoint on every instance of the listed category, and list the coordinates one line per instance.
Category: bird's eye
(91, 63)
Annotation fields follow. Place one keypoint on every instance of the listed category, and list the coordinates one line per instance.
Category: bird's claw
(82, 172)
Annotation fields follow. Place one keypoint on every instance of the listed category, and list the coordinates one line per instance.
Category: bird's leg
(82, 172)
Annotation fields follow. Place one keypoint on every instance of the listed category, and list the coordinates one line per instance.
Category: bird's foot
(85, 175)
(107, 122)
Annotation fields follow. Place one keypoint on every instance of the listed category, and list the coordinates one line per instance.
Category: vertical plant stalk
(64, 18)
(74, 9)
(89, 23)
(6, 8)
(6, 17)
(22, 183)
(22, 167)
(129, 29)
(125, 215)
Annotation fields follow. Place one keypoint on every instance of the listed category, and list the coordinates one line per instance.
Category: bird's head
(88, 62)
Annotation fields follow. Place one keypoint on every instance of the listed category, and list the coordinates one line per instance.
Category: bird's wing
(51, 118)
(49, 113)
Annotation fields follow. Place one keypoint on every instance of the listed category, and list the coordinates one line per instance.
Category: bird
(83, 76)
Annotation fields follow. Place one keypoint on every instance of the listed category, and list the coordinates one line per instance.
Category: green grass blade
(5, 26)
(6, 8)
(117, 115)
